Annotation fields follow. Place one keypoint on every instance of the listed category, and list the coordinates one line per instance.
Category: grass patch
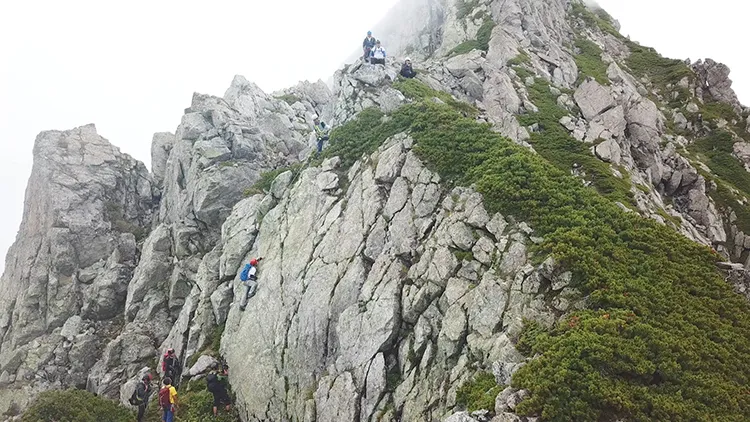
(713, 111)
(417, 90)
(75, 406)
(663, 337)
(263, 185)
(715, 150)
(479, 393)
(464, 8)
(555, 144)
(595, 19)
(521, 59)
(589, 61)
(482, 42)
(661, 71)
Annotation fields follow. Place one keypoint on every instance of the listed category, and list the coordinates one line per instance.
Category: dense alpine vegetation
(663, 336)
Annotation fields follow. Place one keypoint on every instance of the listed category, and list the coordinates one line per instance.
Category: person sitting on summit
(406, 70)
(377, 55)
(367, 46)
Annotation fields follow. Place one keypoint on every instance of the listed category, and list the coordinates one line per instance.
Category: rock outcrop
(373, 296)
(67, 275)
(383, 289)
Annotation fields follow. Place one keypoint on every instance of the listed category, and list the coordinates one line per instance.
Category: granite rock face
(383, 289)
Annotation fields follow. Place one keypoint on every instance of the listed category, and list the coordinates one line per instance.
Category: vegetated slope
(663, 336)
(651, 330)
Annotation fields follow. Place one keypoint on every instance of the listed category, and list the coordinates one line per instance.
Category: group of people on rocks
(374, 53)
(216, 384)
(216, 380)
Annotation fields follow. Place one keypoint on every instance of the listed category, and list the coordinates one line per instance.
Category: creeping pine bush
(589, 61)
(478, 393)
(663, 337)
(75, 406)
(716, 151)
(555, 143)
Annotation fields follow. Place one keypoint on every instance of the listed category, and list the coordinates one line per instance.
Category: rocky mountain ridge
(386, 289)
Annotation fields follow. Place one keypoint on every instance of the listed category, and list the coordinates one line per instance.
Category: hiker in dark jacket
(406, 70)
(141, 395)
(367, 45)
(216, 384)
(171, 366)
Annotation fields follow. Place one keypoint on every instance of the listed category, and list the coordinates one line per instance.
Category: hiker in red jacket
(171, 366)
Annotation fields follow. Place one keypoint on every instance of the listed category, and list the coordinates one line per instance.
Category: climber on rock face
(367, 46)
(377, 55)
(406, 70)
(249, 278)
(321, 132)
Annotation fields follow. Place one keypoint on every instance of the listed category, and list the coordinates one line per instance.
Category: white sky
(132, 67)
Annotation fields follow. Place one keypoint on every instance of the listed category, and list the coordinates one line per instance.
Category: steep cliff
(524, 232)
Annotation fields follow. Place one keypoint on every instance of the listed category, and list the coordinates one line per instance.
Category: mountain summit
(549, 223)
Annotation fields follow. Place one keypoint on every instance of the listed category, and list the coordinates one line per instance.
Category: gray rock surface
(382, 290)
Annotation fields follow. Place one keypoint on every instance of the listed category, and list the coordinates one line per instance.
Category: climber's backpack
(135, 399)
(245, 272)
(164, 397)
(212, 383)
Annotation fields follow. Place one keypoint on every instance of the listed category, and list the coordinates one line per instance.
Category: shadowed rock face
(381, 286)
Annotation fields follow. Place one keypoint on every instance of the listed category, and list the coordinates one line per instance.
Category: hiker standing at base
(377, 56)
(367, 45)
(216, 384)
(249, 278)
(171, 366)
(141, 395)
(406, 70)
(321, 132)
(168, 400)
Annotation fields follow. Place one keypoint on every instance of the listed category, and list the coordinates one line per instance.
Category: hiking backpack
(212, 383)
(135, 398)
(245, 272)
(164, 397)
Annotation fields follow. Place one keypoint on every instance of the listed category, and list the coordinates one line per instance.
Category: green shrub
(661, 71)
(75, 406)
(717, 110)
(589, 61)
(555, 144)
(479, 393)
(263, 184)
(599, 19)
(464, 8)
(418, 90)
(521, 59)
(715, 150)
(482, 42)
(195, 405)
(663, 337)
